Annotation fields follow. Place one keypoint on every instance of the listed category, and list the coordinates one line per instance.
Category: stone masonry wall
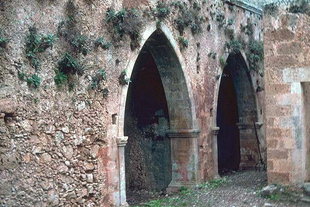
(287, 65)
(58, 145)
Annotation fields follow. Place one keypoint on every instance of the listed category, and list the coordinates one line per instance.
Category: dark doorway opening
(148, 151)
(227, 118)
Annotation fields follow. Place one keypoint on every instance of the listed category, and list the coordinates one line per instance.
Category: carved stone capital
(122, 141)
(259, 125)
(215, 130)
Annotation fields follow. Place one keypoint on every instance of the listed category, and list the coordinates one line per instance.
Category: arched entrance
(237, 141)
(159, 121)
(148, 151)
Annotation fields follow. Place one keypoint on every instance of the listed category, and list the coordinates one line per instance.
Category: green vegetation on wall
(37, 43)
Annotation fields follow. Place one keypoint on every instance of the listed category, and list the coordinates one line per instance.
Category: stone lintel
(183, 133)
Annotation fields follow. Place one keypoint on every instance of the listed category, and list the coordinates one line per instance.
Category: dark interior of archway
(147, 153)
(227, 118)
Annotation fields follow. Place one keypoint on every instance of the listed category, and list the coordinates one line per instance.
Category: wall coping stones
(247, 6)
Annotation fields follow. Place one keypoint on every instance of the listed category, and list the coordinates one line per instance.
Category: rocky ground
(239, 189)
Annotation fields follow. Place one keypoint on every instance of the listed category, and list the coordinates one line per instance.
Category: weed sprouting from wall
(125, 22)
(212, 55)
(302, 7)
(248, 29)
(3, 40)
(255, 54)
(162, 10)
(220, 18)
(33, 80)
(80, 44)
(37, 43)
(100, 76)
(183, 43)
(67, 67)
(235, 46)
(123, 79)
(271, 9)
(101, 42)
(189, 17)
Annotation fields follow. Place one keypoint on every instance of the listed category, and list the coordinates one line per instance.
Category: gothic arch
(183, 130)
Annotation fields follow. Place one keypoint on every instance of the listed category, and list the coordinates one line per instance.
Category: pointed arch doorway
(158, 117)
(237, 141)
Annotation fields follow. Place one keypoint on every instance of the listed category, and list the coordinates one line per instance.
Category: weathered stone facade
(62, 147)
(287, 64)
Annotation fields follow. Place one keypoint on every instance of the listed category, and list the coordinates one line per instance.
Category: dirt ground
(238, 189)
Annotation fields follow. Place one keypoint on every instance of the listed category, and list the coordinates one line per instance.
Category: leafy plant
(69, 65)
(222, 62)
(100, 76)
(183, 42)
(271, 9)
(123, 79)
(60, 78)
(302, 7)
(79, 43)
(100, 42)
(220, 18)
(125, 22)
(230, 33)
(255, 54)
(105, 92)
(21, 76)
(37, 43)
(3, 41)
(248, 29)
(189, 18)
(162, 10)
(234, 46)
(34, 81)
(212, 54)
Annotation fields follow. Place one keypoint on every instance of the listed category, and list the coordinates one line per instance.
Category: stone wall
(287, 66)
(59, 145)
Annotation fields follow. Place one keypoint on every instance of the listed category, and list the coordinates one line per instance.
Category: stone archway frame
(184, 142)
(215, 129)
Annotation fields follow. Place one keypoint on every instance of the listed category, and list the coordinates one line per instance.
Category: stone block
(277, 154)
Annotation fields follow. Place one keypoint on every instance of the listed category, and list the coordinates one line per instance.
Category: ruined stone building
(99, 98)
